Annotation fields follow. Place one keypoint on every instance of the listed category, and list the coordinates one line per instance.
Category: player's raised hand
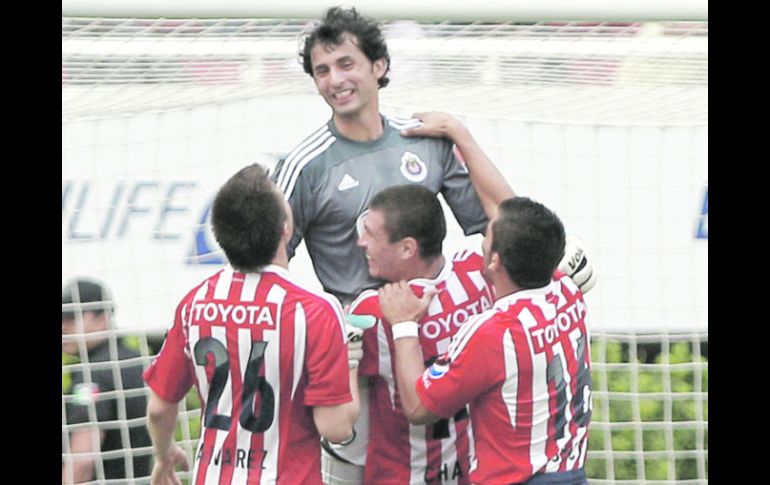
(435, 124)
(399, 303)
(163, 469)
(576, 264)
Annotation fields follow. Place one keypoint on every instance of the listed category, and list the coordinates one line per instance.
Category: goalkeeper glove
(576, 264)
(355, 339)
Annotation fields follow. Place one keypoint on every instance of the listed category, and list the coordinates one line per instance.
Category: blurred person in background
(103, 396)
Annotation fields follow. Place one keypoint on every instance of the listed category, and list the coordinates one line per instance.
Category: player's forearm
(354, 385)
(161, 423)
(409, 367)
(335, 423)
(353, 408)
(490, 185)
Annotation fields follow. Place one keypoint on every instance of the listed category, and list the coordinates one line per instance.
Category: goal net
(605, 121)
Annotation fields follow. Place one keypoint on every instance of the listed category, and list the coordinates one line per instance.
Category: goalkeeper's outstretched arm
(490, 185)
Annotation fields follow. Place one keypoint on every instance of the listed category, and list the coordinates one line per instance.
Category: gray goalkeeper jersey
(329, 181)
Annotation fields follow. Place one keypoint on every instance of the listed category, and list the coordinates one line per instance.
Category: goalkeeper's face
(346, 78)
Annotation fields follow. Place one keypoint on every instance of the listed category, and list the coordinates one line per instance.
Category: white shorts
(337, 472)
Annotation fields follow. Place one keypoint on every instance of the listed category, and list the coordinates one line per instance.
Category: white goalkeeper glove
(355, 338)
(576, 264)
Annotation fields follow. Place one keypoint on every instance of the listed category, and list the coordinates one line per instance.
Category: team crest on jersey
(86, 394)
(413, 168)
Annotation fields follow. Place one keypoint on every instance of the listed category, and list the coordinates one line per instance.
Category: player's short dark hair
(529, 238)
(412, 211)
(247, 218)
(331, 29)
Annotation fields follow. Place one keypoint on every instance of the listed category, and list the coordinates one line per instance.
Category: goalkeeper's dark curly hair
(529, 238)
(331, 29)
(247, 218)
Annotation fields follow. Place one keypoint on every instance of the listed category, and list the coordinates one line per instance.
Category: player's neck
(428, 270)
(281, 257)
(365, 126)
(504, 286)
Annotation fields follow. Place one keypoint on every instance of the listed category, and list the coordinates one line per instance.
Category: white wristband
(407, 328)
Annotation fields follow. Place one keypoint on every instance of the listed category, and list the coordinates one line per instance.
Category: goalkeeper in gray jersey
(332, 175)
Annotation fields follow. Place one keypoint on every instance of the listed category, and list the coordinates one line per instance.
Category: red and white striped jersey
(524, 367)
(398, 452)
(262, 351)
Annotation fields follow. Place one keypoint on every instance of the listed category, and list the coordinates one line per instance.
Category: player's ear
(409, 248)
(286, 230)
(288, 224)
(495, 263)
(380, 66)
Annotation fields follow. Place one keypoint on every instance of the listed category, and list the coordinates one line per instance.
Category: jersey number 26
(253, 383)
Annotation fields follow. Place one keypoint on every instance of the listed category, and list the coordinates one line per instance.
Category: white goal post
(599, 109)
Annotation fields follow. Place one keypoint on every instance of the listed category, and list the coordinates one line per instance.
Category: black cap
(85, 294)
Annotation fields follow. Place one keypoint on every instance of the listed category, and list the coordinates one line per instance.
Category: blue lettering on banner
(90, 214)
(703, 220)
(111, 214)
(74, 233)
(156, 208)
(65, 192)
(133, 206)
(205, 250)
(167, 207)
